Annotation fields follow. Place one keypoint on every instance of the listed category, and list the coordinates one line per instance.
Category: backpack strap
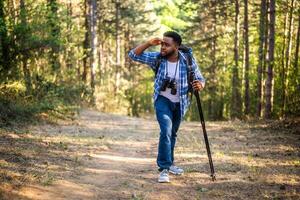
(190, 73)
(157, 64)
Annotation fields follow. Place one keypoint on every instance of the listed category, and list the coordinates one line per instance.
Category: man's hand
(142, 47)
(197, 85)
(155, 41)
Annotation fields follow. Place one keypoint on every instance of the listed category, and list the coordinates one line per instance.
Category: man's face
(168, 46)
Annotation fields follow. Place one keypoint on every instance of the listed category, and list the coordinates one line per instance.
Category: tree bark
(269, 80)
(213, 103)
(118, 49)
(282, 74)
(26, 71)
(246, 59)
(287, 59)
(296, 67)
(55, 33)
(94, 45)
(86, 41)
(4, 45)
(262, 27)
(69, 50)
(236, 96)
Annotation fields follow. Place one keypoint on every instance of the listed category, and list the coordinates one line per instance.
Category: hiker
(170, 96)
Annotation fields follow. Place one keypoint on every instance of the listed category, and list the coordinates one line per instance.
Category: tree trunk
(94, 45)
(101, 62)
(282, 74)
(26, 71)
(296, 67)
(118, 49)
(127, 46)
(269, 89)
(236, 96)
(27, 76)
(213, 103)
(4, 45)
(262, 28)
(266, 55)
(246, 59)
(86, 41)
(287, 58)
(69, 50)
(55, 32)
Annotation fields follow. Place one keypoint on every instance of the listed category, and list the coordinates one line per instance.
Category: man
(170, 93)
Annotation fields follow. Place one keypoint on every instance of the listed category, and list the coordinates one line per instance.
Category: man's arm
(199, 82)
(149, 58)
(198, 74)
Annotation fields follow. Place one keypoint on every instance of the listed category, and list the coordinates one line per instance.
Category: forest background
(58, 55)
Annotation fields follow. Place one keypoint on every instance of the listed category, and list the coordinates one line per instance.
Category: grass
(136, 197)
(47, 179)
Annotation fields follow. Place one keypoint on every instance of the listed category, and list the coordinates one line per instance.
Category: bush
(46, 97)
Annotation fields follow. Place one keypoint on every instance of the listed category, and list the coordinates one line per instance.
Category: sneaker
(164, 176)
(176, 170)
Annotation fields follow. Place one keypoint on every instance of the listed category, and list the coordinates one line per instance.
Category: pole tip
(213, 177)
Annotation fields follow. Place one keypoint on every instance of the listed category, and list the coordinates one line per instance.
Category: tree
(86, 43)
(118, 46)
(246, 59)
(94, 44)
(236, 96)
(269, 88)
(4, 44)
(296, 66)
(261, 55)
(286, 73)
(55, 34)
(23, 40)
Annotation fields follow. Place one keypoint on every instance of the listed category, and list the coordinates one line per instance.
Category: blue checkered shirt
(150, 58)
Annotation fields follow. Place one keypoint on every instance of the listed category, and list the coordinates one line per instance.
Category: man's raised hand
(155, 41)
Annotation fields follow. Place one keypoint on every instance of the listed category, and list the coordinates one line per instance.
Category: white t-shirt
(171, 73)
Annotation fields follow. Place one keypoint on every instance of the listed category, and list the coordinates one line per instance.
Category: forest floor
(105, 156)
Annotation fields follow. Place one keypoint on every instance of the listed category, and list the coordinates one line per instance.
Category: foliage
(46, 58)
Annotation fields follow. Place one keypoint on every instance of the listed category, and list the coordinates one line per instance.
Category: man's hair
(176, 37)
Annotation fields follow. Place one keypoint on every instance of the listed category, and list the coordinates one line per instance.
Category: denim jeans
(168, 117)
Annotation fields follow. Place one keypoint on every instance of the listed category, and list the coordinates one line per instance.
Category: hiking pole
(212, 170)
(191, 78)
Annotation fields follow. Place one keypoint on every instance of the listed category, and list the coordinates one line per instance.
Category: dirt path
(102, 156)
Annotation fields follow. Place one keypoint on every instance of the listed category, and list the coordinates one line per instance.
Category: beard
(169, 54)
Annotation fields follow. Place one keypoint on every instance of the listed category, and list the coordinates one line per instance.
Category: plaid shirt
(150, 58)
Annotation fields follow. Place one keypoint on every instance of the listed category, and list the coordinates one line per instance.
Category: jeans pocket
(161, 104)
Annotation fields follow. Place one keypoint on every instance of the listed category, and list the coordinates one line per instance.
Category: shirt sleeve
(148, 58)
(198, 74)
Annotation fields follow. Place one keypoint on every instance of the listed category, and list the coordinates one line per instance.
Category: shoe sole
(176, 173)
(164, 181)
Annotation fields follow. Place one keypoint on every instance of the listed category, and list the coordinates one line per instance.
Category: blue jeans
(168, 117)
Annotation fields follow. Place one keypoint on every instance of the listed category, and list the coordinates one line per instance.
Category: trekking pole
(191, 78)
(212, 170)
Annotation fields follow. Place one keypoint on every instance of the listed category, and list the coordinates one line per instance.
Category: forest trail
(105, 156)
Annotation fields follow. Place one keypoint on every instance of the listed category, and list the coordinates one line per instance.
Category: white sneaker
(164, 176)
(176, 170)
